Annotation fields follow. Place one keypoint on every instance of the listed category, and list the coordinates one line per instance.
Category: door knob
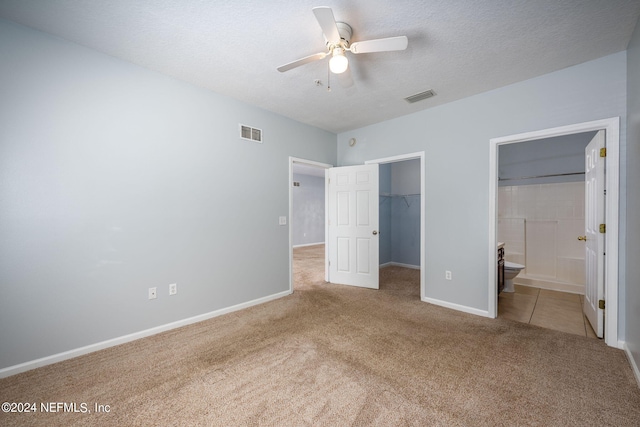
(584, 238)
(375, 232)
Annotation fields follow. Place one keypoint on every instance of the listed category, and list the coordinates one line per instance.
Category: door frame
(421, 156)
(315, 164)
(611, 126)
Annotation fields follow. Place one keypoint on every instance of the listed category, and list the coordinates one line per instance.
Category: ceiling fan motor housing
(345, 32)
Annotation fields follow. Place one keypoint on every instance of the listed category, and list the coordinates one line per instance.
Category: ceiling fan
(338, 38)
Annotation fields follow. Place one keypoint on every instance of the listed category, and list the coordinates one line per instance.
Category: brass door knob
(584, 238)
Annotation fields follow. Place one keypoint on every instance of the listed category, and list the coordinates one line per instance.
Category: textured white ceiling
(456, 47)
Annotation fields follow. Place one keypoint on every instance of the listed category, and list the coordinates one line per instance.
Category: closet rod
(541, 176)
(398, 195)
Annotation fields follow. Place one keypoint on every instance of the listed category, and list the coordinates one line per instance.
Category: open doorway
(307, 210)
(314, 249)
(610, 128)
(541, 222)
(402, 222)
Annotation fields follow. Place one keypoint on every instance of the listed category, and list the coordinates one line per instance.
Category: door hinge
(601, 304)
(603, 152)
(603, 228)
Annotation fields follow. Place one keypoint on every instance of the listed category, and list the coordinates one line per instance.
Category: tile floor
(561, 311)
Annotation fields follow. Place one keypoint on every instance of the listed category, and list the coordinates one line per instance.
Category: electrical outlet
(153, 293)
(173, 289)
(447, 275)
(282, 220)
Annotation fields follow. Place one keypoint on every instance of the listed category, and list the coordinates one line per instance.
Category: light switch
(283, 220)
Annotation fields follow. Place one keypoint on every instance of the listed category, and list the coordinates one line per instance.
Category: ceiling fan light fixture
(337, 37)
(338, 63)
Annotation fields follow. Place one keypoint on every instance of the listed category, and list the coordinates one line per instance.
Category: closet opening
(401, 216)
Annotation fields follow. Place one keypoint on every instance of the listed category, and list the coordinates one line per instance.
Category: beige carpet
(338, 355)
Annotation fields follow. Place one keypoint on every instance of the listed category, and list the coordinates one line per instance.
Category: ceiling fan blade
(302, 61)
(380, 45)
(327, 22)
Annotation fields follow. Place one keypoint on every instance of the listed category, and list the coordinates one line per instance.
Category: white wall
(539, 225)
(456, 143)
(114, 179)
(632, 299)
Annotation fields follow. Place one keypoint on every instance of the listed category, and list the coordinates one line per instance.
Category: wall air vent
(420, 96)
(250, 134)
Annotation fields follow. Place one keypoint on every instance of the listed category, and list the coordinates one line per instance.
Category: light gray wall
(114, 179)
(455, 138)
(405, 177)
(559, 155)
(405, 212)
(308, 210)
(405, 230)
(400, 216)
(384, 213)
(633, 198)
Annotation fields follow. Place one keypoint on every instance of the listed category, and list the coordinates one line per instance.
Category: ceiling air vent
(420, 96)
(251, 134)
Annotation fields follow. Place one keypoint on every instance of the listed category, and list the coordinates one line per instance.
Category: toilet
(511, 270)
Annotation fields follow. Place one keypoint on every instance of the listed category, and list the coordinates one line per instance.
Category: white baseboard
(48, 360)
(458, 307)
(632, 362)
(399, 264)
(308, 244)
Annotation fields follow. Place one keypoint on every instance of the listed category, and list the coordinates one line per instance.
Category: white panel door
(353, 225)
(594, 216)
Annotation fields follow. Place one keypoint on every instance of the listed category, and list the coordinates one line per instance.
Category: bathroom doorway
(611, 129)
(541, 214)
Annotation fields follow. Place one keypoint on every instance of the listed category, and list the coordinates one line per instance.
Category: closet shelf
(404, 196)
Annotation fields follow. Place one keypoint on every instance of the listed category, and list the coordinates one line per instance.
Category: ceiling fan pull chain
(328, 78)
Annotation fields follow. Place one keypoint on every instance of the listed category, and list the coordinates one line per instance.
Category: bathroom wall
(308, 210)
(540, 225)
